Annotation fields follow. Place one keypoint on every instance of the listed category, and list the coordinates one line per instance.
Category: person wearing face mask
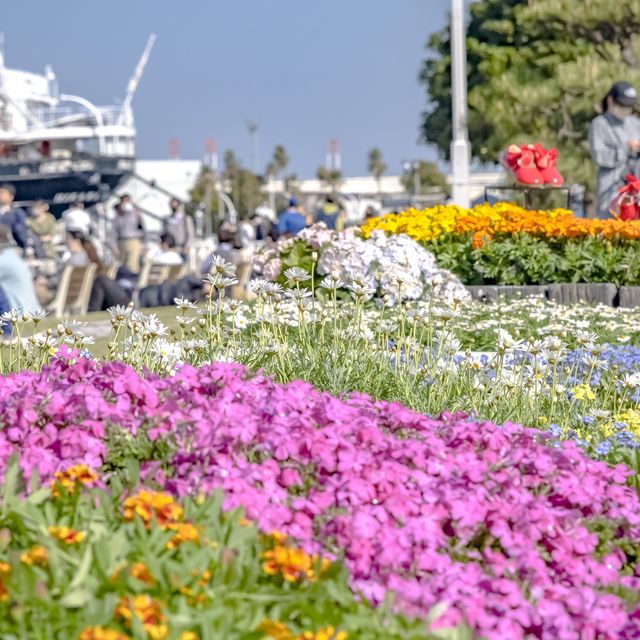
(129, 233)
(614, 138)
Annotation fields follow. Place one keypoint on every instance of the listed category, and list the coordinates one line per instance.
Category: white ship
(62, 148)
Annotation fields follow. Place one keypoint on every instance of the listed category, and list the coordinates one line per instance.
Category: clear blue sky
(305, 71)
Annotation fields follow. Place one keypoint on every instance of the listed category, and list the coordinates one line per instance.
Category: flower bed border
(605, 293)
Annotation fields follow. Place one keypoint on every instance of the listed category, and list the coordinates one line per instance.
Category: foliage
(331, 178)
(537, 70)
(168, 570)
(429, 177)
(376, 165)
(243, 186)
(279, 161)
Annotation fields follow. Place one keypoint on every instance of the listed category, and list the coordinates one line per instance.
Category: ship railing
(47, 117)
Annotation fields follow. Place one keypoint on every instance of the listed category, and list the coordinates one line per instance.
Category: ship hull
(62, 182)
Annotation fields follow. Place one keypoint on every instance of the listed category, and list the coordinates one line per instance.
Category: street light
(460, 152)
(413, 168)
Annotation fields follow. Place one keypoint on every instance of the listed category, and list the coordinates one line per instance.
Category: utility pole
(460, 149)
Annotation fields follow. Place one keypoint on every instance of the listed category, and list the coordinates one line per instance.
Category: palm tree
(376, 165)
(331, 178)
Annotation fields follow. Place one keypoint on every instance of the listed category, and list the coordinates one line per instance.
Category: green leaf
(76, 598)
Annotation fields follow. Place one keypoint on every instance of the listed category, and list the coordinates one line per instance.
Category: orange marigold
(140, 571)
(275, 630)
(149, 505)
(501, 218)
(66, 535)
(36, 555)
(70, 478)
(184, 532)
(291, 563)
(5, 571)
(328, 633)
(100, 633)
(148, 611)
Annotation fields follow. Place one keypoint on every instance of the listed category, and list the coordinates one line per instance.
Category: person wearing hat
(614, 138)
(291, 221)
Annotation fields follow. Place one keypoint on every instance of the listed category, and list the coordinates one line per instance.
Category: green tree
(537, 71)
(375, 165)
(330, 178)
(279, 161)
(429, 178)
(243, 186)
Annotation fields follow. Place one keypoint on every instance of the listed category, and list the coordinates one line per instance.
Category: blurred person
(191, 288)
(291, 221)
(246, 233)
(614, 138)
(181, 227)
(167, 253)
(331, 215)
(43, 225)
(77, 219)
(81, 252)
(262, 221)
(129, 233)
(14, 217)
(16, 281)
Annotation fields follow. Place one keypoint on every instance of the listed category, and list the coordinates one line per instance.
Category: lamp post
(460, 151)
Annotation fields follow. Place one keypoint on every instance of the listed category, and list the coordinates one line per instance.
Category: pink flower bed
(484, 519)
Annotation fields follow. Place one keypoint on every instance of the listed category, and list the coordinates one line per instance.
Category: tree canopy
(537, 72)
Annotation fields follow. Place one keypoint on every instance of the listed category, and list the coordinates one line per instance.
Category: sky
(304, 71)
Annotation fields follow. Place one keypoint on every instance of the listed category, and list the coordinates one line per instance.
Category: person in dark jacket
(162, 295)
(14, 217)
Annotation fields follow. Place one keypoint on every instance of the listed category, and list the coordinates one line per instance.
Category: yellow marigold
(5, 571)
(36, 555)
(275, 630)
(100, 633)
(140, 571)
(328, 633)
(188, 635)
(148, 611)
(70, 478)
(149, 504)
(66, 535)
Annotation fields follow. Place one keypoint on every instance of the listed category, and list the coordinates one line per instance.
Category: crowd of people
(35, 248)
(30, 239)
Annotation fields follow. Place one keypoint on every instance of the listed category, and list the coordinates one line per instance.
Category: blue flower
(603, 448)
(555, 430)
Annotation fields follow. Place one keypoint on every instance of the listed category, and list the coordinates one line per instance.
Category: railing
(67, 115)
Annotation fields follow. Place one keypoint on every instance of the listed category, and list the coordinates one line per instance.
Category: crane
(125, 115)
